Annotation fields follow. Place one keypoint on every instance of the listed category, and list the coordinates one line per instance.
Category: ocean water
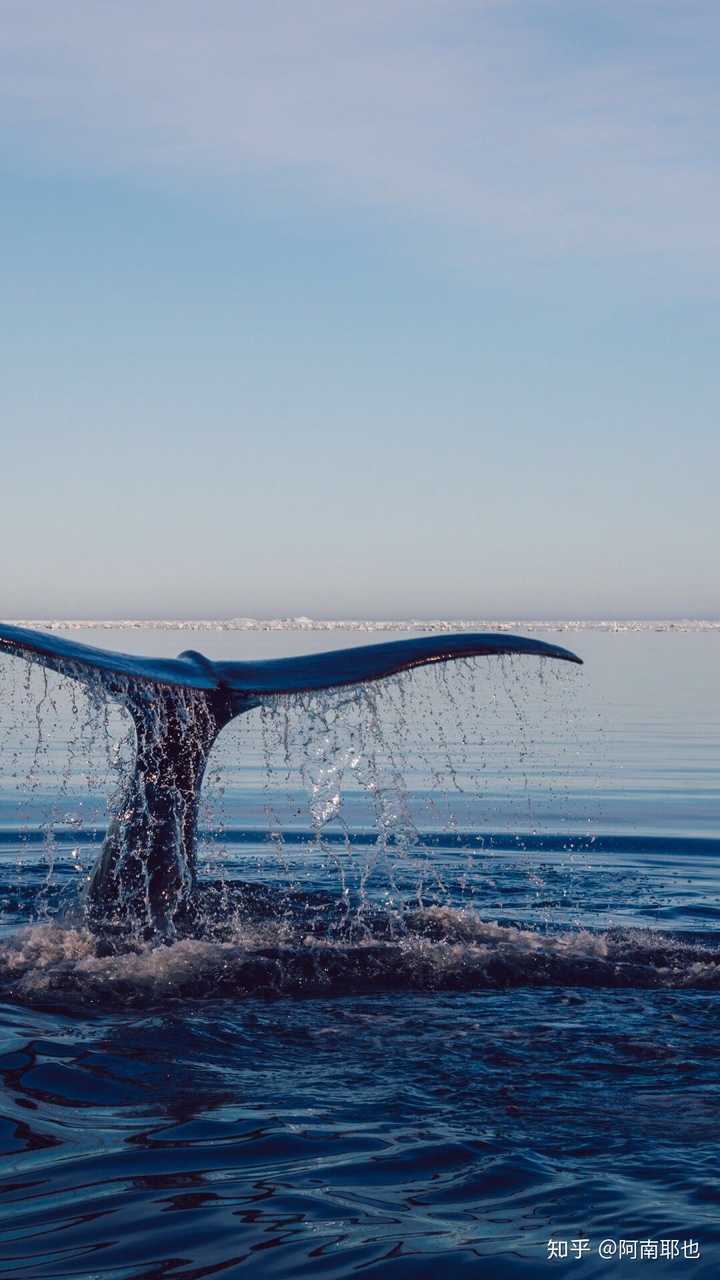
(475, 1012)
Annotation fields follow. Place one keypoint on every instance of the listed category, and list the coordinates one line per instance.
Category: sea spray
(417, 746)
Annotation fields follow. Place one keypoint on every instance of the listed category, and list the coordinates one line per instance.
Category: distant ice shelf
(354, 624)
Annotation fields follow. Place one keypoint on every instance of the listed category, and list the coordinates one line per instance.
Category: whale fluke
(145, 877)
(302, 674)
(373, 662)
(84, 660)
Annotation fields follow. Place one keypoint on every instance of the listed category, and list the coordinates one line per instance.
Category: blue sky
(360, 309)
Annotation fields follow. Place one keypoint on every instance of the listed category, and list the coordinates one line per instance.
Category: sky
(348, 309)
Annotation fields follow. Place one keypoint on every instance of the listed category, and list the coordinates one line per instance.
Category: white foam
(442, 948)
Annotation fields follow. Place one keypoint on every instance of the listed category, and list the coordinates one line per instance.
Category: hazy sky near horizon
(340, 308)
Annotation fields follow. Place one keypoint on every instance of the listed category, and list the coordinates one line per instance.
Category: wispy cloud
(550, 125)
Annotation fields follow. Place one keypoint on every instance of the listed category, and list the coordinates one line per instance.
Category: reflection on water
(403, 1134)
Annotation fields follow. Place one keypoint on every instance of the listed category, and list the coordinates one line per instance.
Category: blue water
(515, 1039)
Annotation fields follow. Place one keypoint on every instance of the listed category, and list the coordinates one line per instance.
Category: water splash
(421, 753)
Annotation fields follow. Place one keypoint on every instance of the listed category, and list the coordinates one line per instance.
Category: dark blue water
(485, 1017)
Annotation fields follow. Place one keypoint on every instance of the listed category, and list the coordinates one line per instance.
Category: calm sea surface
(517, 1040)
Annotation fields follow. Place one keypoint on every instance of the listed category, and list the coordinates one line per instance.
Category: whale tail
(315, 671)
(145, 875)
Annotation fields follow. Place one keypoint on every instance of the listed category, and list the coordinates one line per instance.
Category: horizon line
(304, 622)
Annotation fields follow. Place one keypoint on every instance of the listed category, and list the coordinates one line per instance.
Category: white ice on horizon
(354, 624)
